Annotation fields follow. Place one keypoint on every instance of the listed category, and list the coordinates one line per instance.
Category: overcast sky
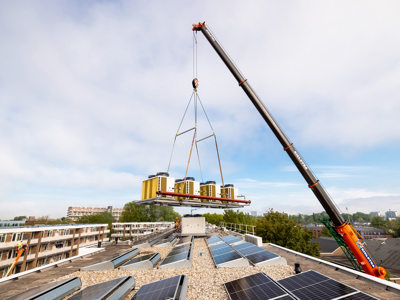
(92, 93)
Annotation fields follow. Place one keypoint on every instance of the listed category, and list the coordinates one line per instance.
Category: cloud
(91, 94)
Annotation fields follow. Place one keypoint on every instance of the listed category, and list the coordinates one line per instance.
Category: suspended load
(211, 189)
(160, 189)
(155, 183)
(229, 192)
(191, 187)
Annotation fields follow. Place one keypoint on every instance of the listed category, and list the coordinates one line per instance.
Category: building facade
(75, 212)
(376, 214)
(392, 214)
(11, 223)
(137, 229)
(316, 229)
(45, 244)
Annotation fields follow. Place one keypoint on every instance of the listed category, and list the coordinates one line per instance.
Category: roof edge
(381, 283)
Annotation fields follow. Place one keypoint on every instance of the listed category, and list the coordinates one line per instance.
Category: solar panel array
(52, 290)
(120, 286)
(313, 285)
(231, 239)
(142, 262)
(253, 253)
(214, 240)
(181, 253)
(223, 253)
(309, 285)
(114, 263)
(167, 242)
(185, 240)
(256, 286)
(170, 288)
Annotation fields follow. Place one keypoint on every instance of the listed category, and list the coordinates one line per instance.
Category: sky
(92, 94)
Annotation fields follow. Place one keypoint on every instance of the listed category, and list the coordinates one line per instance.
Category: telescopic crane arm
(342, 226)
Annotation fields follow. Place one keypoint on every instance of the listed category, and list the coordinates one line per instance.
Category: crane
(20, 250)
(341, 226)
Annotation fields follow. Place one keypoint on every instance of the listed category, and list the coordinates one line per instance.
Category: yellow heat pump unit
(192, 187)
(229, 192)
(211, 189)
(159, 182)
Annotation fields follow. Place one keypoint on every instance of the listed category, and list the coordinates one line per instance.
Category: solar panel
(179, 253)
(223, 258)
(52, 290)
(214, 240)
(120, 286)
(257, 255)
(221, 251)
(313, 285)
(220, 246)
(230, 239)
(139, 259)
(170, 288)
(256, 286)
(175, 258)
(184, 240)
(113, 263)
(261, 256)
(179, 249)
(142, 262)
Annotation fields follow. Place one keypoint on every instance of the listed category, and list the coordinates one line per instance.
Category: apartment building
(46, 244)
(75, 212)
(136, 229)
(11, 223)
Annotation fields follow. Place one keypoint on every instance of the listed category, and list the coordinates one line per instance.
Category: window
(12, 254)
(49, 233)
(2, 238)
(17, 237)
(47, 247)
(5, 272)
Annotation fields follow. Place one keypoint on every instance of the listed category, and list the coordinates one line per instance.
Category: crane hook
(195, 83)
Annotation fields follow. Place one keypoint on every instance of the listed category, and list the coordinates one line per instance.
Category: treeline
(230, 216)
(274, 227)
(391, 226)
(145, 213)
(316, 217)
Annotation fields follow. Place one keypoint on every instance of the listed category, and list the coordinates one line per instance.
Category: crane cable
(196, 99)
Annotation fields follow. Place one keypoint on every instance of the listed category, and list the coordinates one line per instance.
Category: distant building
(372, 232)
(392, 214)
(75, 212)
(46, 244)
(360, 224)
(376, 214)
(254, 213)
(11, 223)
(316, 229)
(136, 229)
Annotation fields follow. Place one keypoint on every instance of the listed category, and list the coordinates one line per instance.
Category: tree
(377, 222)
(213, 218)
(102, 218)
(238, 217)
(20, 218)
(134, 213)
(142, 213)
(326, 232)
(281, 230)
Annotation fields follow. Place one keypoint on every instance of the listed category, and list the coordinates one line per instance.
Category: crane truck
(343, 228)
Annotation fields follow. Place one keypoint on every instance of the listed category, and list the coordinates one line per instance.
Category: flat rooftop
(205, 280)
